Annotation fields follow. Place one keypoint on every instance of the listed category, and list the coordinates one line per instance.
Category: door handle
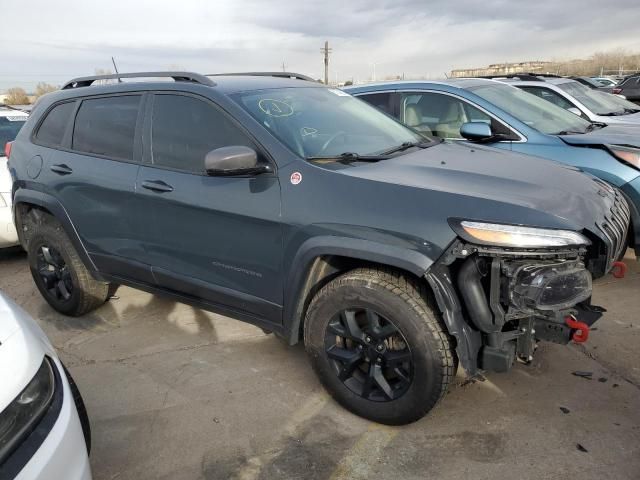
(157, 186)
(61, 169)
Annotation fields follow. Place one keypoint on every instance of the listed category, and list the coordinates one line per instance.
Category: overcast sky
(54, 41)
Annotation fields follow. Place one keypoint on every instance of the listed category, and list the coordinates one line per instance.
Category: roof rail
(522, 76)
(177, 76)
(296, 76)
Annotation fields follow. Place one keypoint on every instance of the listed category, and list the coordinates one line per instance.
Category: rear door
(214, 238)
(92, 171)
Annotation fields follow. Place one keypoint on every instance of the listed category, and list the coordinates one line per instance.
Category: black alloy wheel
(54, 272)
(369, 354)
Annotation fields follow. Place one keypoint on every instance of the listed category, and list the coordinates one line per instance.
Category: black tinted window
(106, 126)
(185, 129)
(382, 101)
(52, 129)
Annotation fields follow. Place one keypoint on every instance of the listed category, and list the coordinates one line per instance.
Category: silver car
(586, 102)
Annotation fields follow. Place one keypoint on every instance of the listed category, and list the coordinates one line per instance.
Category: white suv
(11, 120)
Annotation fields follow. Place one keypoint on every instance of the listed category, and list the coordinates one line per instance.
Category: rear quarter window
(52, 128)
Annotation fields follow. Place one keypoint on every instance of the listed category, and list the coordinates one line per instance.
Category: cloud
(415, 37)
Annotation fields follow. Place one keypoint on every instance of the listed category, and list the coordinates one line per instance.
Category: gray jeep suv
(311, 214)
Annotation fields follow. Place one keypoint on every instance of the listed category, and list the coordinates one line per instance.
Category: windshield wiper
(592, 126)
(408, 145)
(613, 114)
(350, 157)
(569, 132)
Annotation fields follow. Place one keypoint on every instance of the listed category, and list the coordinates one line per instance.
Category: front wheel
(376, 344)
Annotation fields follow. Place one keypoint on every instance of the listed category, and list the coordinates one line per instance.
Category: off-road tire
(87, 293)
(408, 304)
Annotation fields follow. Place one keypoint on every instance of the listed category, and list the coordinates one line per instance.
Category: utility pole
(284, 68)
(326, 51)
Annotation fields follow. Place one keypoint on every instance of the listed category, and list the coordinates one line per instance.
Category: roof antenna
(116, 69)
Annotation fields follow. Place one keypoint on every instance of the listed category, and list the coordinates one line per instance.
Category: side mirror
(575, 111)
(234, 160)
(476, 131)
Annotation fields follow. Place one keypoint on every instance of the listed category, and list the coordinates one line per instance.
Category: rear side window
(185, 129)
(51, 131)
(106, 126)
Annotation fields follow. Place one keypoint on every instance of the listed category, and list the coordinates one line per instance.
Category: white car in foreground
(44, 429)
(11, 121)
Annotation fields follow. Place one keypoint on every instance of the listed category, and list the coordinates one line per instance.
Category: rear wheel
(378, 347)
(57, 270)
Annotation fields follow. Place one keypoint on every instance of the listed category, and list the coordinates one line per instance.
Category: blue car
(503, 116)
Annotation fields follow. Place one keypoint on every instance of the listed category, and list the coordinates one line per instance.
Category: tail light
(616, 90)
(7, 149)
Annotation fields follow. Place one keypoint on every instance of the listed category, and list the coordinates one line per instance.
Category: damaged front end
(503, 288)
(517, 298)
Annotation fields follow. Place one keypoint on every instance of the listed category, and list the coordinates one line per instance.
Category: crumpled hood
(515, 188)
(609, 135)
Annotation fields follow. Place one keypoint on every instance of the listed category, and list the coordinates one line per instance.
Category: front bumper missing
(516, 298)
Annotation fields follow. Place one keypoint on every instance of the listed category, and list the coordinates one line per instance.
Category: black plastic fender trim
(50, 203)
(468, 340)
(357, 249)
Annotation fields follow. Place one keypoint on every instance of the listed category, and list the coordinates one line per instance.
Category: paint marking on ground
(357, 464)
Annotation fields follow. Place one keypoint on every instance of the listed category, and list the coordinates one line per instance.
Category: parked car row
(430, 226)
(629, 87)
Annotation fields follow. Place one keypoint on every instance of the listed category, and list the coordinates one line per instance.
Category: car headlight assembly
(22, 415)
(628, 155)
(517, 236)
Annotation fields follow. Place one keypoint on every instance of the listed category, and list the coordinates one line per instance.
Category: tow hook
(619, 269)
(581, 333)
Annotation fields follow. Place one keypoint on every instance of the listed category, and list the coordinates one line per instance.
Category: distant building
(503, 69)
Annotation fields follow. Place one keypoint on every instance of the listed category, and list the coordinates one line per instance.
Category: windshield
(9, 128)
(324, 122)
(532, 110)
(598, 102)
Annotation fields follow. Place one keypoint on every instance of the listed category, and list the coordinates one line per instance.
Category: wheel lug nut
(368, 339)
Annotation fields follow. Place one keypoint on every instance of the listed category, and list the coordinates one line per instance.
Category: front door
(213, 238)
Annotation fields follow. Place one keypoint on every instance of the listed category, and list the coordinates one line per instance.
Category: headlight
(23, 414)
(520, 237)
(626, 154)
(550, 286)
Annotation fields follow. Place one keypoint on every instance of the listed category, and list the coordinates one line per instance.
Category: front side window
(185, 129)
(549, 96)
(318, 122)
(106, 126)
(438, 114)
(52, 128)
(531, 110)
